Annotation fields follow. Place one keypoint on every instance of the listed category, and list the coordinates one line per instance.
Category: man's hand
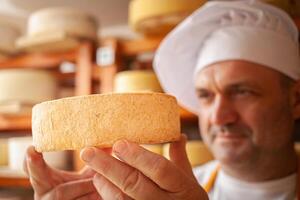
(143, 175)
(54, 184)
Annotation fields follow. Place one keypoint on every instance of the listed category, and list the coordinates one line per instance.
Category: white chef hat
(226, 30)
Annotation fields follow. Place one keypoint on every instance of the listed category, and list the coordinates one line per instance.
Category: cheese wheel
(26, 86)
(196, 150)
(3, 152)
(100, 120)
(71, 20)
(17, 150)
(56, 42)
(155, 148)
(136, 80)
(15, 108)
(159, 17)
(57, 29)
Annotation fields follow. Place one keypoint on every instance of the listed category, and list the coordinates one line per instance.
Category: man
(236, 65)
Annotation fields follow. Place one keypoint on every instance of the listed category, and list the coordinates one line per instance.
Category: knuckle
(119, 196)
(132, 181)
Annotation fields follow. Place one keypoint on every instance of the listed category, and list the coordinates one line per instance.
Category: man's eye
(244, 92)
(204, 95)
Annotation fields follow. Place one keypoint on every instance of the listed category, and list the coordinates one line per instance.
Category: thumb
(179, 156)
(38, 171)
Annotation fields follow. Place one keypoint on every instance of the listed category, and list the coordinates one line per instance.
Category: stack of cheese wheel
(159, 17)
(197, 152)
(17, 147)
(22, 88)
(137, 81)
(57, 29)
(8, 37)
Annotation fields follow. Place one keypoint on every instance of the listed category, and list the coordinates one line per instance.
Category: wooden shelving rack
(85, 72)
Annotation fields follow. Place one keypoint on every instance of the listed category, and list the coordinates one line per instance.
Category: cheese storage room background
(52, 49)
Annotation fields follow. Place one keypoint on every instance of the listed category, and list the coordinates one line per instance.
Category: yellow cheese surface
(136, 80)
(157, 17)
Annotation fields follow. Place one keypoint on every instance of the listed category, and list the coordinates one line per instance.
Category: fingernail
(87, 154)
(119, 147)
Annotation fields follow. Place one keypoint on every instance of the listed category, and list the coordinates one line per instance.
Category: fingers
(84, 173)
(163, 172)
(38, 171)
(44, 178)
(179, 156)
(91, 196)
(71, 190)
(108, 190)
(127, 179)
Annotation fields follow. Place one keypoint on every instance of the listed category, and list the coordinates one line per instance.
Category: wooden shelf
(39, 60)
(15, 123)
(14, 182)
(71, 75)
(134, 47)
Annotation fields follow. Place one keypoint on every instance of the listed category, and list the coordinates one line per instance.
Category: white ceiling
(111, 14)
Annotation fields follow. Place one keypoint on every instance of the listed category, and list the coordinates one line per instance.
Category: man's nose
(223, 111)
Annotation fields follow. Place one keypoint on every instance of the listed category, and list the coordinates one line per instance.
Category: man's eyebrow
(235, 85)
(242, 84)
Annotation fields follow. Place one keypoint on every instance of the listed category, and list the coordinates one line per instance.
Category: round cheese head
(101, 120)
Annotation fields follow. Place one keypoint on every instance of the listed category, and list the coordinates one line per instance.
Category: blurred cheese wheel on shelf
(160, 16)
(3, 152)
(136, 80)
(57, 29)
(155, 148)
(8, 37)
(25, 87)
(17, 147)
(197, 152)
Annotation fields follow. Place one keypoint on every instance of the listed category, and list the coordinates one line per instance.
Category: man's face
(245, 115)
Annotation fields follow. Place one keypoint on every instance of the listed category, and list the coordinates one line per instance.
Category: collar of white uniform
(230, 183)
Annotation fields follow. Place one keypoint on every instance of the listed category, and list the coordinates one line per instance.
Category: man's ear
(295, 94)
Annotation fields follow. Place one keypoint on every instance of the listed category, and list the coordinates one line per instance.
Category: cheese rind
(158, 17)
(27, 86)
(100, 120)
(57, 29)
(136, 80)
(197, 152)
(3, 152)
(72, 21)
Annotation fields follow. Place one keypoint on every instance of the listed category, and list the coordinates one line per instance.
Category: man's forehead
(236, 71)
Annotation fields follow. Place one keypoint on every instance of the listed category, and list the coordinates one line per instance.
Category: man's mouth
(230, 136)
